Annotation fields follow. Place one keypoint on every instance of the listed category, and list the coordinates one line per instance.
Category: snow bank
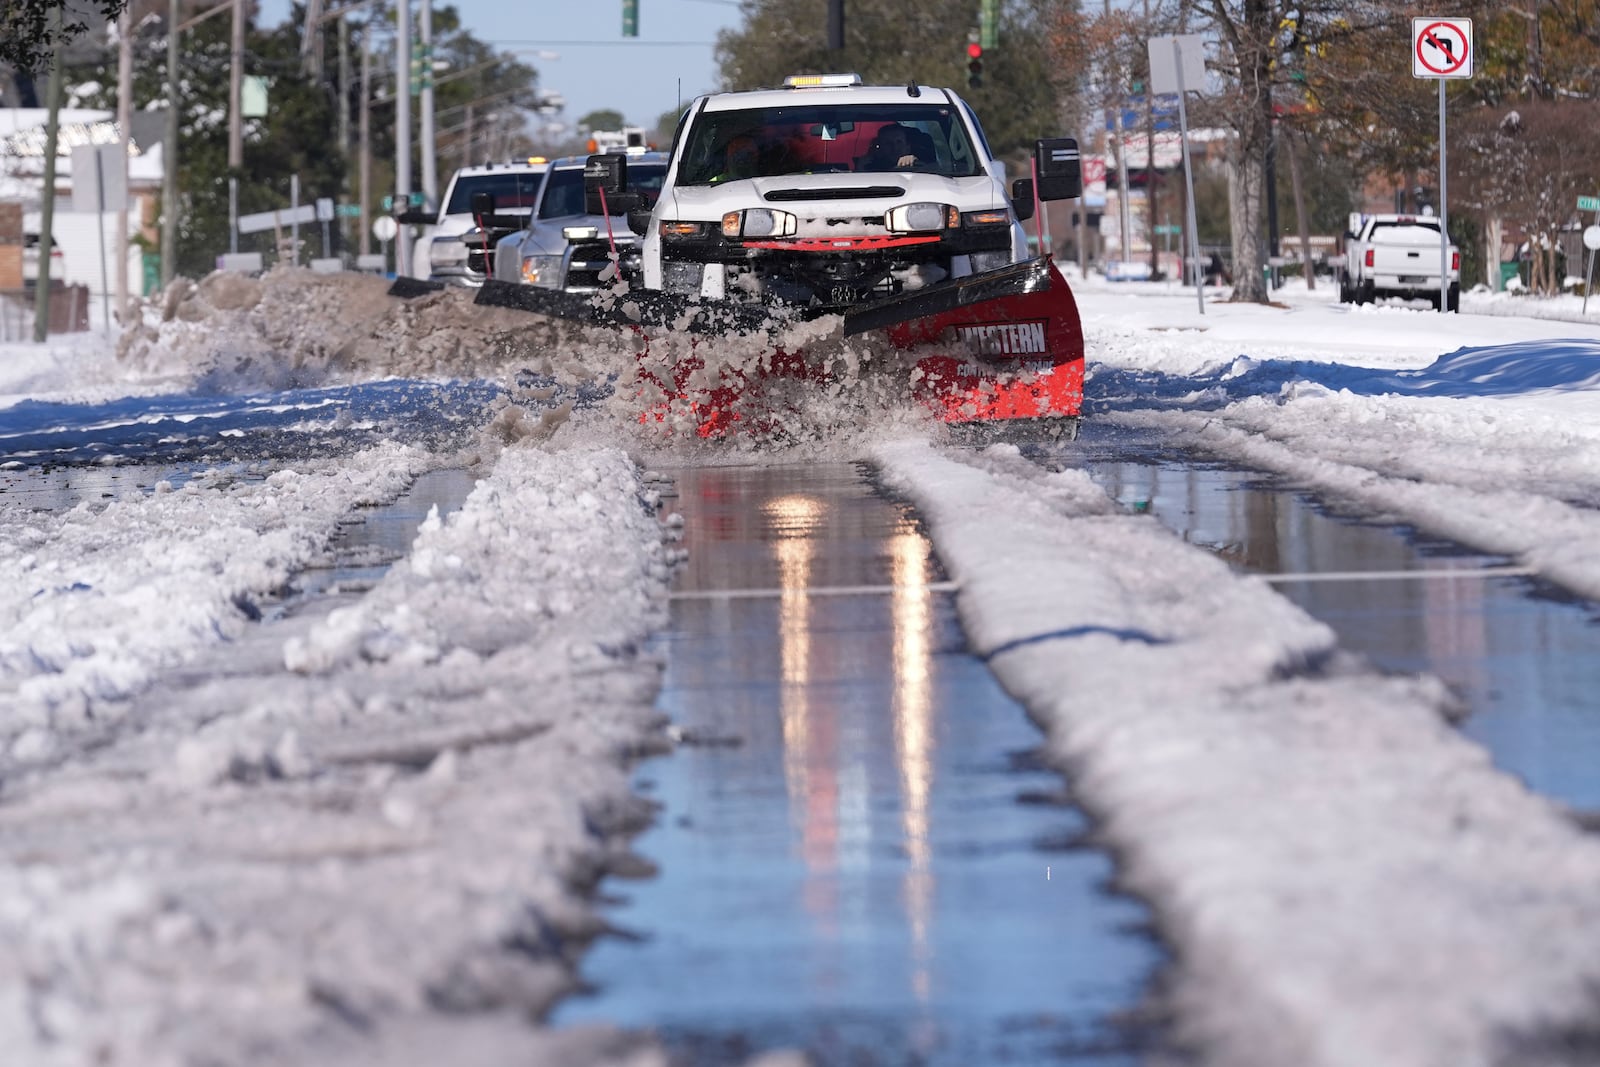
(101, 598)
(292, 328)
(1346, 881)
(382, 856)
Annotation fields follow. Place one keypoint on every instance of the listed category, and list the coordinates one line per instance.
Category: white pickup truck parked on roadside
(1397, 255)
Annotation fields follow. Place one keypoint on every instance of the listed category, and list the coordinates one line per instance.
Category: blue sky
(598, 67)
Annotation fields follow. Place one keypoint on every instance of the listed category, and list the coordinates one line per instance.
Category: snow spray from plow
(1004, 346)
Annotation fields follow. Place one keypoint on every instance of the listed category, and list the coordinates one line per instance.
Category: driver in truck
(896, 148)
(742, 159)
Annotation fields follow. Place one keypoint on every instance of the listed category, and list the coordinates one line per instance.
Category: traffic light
(630, 18)
(421, 67)
(974, 64)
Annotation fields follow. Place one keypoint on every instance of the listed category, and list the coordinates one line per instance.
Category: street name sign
(267, 220)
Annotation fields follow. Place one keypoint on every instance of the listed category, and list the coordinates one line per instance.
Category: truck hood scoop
(848, 192)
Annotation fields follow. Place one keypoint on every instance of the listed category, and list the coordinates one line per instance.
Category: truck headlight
(543, 271)
(921, 218)
(980, 219)
(672, 230)
(758, 222)
(447, 252)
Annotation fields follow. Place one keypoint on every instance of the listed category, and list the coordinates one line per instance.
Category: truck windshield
(827, 138)
(512, 189)
(563, 194)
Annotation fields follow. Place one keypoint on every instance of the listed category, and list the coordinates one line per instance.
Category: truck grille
(480, 254)
(858, 192)
(589, 258)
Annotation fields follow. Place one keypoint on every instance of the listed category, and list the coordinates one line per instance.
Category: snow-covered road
(321, 848)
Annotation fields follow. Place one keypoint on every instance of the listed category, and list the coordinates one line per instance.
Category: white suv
(828, 193)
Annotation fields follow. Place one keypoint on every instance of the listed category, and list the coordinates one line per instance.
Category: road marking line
(1402, 576)
(816, 590)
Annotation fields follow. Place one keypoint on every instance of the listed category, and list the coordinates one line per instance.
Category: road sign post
(1178, 64)
(384, 228)
(1591, 242)
(1441, 49)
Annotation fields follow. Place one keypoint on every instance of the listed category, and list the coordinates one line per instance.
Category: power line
(613, 43)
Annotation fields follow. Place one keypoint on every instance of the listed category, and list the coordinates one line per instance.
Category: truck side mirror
(639, 220)
(1022, 199)
(1060, 174)
(605, 175)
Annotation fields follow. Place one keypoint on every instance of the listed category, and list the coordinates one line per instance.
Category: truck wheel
(1454, 303)
(1365, 294)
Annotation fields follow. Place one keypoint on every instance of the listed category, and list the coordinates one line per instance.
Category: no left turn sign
(1441, 48)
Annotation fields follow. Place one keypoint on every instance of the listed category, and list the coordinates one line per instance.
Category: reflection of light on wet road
(793, 521)
(913, 646)
(856, 878)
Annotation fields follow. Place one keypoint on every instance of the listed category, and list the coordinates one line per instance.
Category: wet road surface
(862, 860)
(853, 877)
(877, 871)
(1523, 657)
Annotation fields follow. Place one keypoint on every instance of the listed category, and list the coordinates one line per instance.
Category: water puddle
(1521, 655)
(364, 549)
(865, 863)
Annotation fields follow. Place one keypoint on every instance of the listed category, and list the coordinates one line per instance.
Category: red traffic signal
(975, 50)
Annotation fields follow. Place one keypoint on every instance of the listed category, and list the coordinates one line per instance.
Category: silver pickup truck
(1397, 256)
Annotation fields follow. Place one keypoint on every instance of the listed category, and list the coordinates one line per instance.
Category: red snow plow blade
(1003, 345)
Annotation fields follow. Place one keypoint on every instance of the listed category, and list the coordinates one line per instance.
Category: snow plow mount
(641, 308)
(408, 288)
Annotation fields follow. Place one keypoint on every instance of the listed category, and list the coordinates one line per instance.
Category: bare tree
(29, 34)
(1528, 167)
(1279, 52)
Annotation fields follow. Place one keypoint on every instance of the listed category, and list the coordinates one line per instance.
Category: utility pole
(169, 153)
(311, 41)
(402, 132)
(1125, 242)
(345, 148)
(1150, 216)
(124, 117)
(364, 190)
(47, 205)
(344, 95)
(835, 25)
(235, 122)
(1272, 186)
(430, 161)
(235, 83)
(1308, 269)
